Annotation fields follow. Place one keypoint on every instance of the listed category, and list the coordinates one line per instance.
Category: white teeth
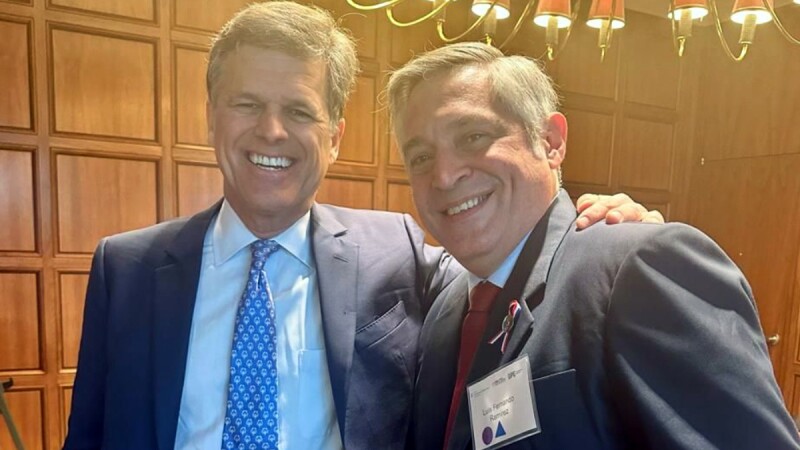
(469, 204)
(270, 162)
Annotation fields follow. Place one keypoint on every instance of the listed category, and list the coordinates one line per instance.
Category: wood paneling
(19, 321)
(358, 144)
(133, 9)
(732, 204)
(652, 67)
(72, 293)
(645, 155)
(394, 154)
(26, 408)
(406, 42)
(399, 199)
(588, 159)
(190, 96)
(66, 399)
(579, 69)
(15, 76)
(198, 187)
(99, 197)
(205, 15)
(362, 24)
(17, 204)
(346, 192)
(103, 86)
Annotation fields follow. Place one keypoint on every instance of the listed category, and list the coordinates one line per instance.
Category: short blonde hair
(305, 32)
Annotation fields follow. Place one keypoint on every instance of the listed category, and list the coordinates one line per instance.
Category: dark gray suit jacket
(639, 337)
(375, 274)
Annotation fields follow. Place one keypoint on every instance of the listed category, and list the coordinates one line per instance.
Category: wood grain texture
(72, 294)
(99, 197)
(26, 408)
(346, 192)
(589, 147)
(103, 86)
(645, 155)
(15, 76)
(652, 68)
(133, 9)
(19, 321)
(198, 187)
(205, 15)
(17, 204)
(358, 144)
(190, 96)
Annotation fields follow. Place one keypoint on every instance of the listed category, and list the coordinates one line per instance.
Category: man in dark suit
(169, 309)
(628, 337)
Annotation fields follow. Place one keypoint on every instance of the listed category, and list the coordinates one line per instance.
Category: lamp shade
(743, 8)
(601, 10)
(502, 8)
(560, 9)
(698, 8)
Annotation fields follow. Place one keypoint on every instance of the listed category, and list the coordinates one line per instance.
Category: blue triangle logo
(500, 430)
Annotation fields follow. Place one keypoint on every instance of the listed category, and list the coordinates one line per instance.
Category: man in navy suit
(349, 288)
(626, 337)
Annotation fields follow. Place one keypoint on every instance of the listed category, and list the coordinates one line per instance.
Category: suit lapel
(544, 240)
(437, 370)
(337, 271)
(173, 305)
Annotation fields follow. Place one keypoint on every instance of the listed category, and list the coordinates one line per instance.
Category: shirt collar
(500, 276)
(230, 235)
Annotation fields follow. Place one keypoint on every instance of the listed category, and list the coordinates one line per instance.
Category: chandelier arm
(780, 26)
(552, 55)
(388, 3)
(718, 27)
(528, 7)
(419, 20)
(448, 40)
(676, 45)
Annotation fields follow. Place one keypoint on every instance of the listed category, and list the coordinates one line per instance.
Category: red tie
(480, 303)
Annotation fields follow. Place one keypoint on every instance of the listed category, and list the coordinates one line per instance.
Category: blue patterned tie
(251, 417)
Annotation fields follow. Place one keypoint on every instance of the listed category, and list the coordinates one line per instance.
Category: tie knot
(262, 249)
(482, 296)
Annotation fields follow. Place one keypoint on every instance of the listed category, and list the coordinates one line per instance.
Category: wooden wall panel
(98, 197)
(346, 192)
(72, 294)
(133, 9)
(406, 42)
(358, 144)
(15, 75)
(198, 187)
(103, 85)
(19, 321)
(645, 155)
(760, 238)
(579, 70)
(27, 408)
(66, 400)
(399, 199)
(190, 96)
(363, 25)
(17, 204)
(588, 159)
(205, 15)
(652, 67)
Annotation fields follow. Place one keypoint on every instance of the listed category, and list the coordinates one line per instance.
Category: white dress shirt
(305, 403)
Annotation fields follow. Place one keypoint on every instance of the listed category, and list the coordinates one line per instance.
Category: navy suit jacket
(639, 337)
(375, 274)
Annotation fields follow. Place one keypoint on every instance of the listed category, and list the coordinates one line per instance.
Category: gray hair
(305, 32)
(518, 84)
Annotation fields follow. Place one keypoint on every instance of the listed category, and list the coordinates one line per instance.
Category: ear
(336, 140)
(556, 139)
(210, 122)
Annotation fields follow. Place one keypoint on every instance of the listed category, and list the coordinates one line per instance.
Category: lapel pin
(507, 326)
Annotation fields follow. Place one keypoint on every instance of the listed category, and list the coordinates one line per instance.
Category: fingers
(653, 216)
(614, 209)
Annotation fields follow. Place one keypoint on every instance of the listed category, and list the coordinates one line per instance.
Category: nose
(449, 169)
(270, 127)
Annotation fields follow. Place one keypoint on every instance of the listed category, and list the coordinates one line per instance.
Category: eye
(475, 137)
(301, 115)
(246, 107)
(419, 159)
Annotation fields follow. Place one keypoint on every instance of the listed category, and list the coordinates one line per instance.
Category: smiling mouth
(270, 162)
(466, 205)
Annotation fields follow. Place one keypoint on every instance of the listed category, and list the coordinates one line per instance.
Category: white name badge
(502, 406)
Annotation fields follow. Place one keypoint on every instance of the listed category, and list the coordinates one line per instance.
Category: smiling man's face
(271, 131)
(477, 183)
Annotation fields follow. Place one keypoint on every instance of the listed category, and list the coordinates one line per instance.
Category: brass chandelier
(558, 17)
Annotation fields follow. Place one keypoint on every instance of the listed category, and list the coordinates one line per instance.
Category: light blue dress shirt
(306, 408)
